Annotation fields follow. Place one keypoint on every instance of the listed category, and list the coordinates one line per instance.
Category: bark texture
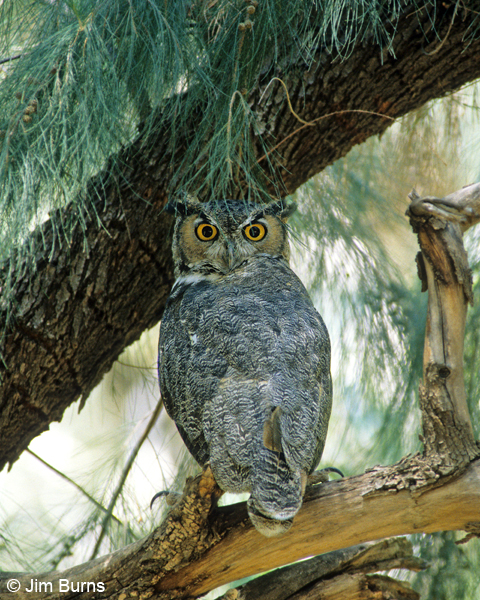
(89, 299)
(328, 575)
(439, 224)
(198, 548)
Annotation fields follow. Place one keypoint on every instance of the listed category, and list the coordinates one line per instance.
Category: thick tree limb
(406, 498)
(197, 548)
(83, 306)
(340, 568)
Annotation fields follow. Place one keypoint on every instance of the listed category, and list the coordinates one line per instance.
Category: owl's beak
(231, 255)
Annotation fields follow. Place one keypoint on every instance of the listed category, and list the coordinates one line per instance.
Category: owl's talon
(171, 498)
(334, 470)
(322, 476)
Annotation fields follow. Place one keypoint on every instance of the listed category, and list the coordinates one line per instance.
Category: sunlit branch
(443, 268)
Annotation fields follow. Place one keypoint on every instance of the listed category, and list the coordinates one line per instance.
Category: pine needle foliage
(88, 76)
(454, 570)
(375, 317)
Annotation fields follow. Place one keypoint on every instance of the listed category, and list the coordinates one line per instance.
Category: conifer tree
(110, 107)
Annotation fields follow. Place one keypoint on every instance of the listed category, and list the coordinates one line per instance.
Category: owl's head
(217, 237)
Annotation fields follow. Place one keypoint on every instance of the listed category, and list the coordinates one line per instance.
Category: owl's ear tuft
(279, 209)
(287, 211)
(182, 204)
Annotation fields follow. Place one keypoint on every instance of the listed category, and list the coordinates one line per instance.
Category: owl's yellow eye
(206, 232)
(255, 232)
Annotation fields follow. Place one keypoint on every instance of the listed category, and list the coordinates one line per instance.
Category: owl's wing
(231, 354)
(301, 389)
(188, 377)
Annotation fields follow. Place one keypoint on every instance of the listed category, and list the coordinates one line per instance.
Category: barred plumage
(244, 357)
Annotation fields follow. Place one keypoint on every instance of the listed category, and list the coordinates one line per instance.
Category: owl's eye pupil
(255, 232)
(206, 232)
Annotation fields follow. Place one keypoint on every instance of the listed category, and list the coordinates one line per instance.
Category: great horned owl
(244, 357)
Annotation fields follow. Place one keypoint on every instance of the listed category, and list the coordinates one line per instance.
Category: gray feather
(244, 368)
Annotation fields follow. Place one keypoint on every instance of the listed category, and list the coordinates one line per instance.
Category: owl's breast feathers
(237, 349)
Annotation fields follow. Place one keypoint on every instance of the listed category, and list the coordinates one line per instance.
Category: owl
(244, 357)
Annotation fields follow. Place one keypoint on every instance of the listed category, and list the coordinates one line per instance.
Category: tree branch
(310, 578)
(447, 429)
(198, 548)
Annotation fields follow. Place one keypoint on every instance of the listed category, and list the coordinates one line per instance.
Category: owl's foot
(171, 498)
(322, 476)
(204, 484)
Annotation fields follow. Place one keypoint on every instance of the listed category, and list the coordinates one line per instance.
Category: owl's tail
(276, 494)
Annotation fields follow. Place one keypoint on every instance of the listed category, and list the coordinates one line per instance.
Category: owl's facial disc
(212, 241)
